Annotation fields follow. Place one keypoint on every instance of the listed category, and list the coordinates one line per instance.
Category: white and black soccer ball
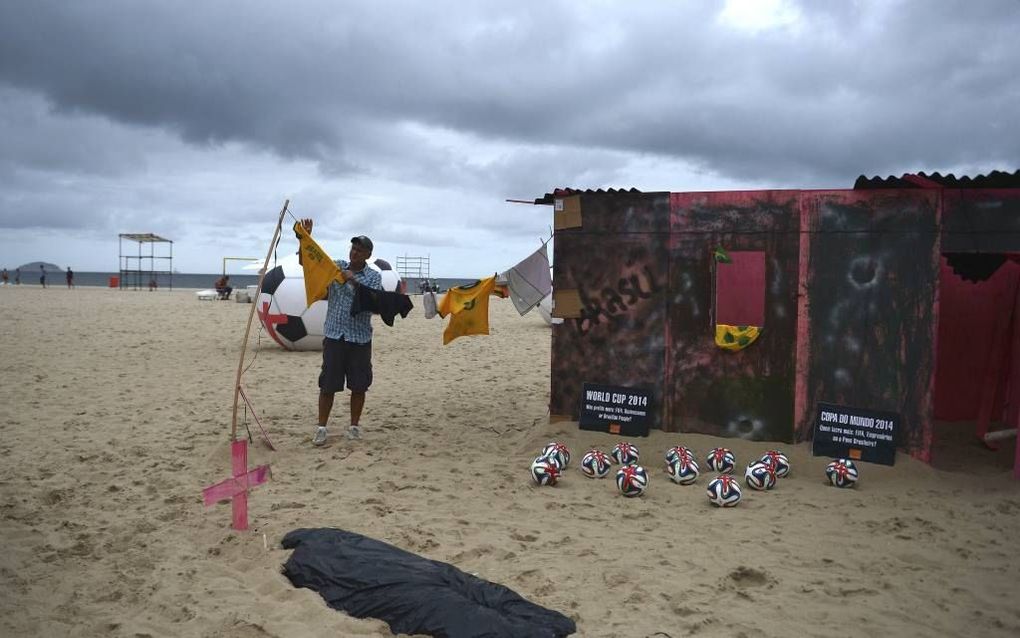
(780, 464)
(632, 480)
(596, 464)
(678, 452)
(282, 309)
(625, 453)
(544, 471)
(281, 305)
(683, 471)
(721, 460)
(842, 473)
(724, 491)
(391, 280)
(559, 452)
(760, 476)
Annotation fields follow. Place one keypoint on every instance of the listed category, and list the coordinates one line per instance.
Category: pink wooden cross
(236, 488)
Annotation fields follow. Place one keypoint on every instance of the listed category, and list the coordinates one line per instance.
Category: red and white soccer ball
(596, 464)
(281, 305)
(625, 453)
(842, 473)
(679, 452)
(544, 471)
(760, 476)
(721, 460)
(558, 452)
(780, 464)
(632, 480)
(683, 470)
(724, 491)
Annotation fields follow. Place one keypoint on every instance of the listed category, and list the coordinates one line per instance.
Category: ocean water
(177, 280)
(196, 281)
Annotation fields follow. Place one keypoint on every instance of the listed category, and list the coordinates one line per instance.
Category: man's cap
(362, 241)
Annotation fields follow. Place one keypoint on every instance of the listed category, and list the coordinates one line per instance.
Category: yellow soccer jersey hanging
(469, 307)
(320, 270)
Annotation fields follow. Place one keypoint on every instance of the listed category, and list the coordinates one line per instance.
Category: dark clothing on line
(385, 304)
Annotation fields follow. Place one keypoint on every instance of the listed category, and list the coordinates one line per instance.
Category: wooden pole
(251, 313)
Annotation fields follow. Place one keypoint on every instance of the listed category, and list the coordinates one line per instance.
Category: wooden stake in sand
(251, 313)
(242, 480)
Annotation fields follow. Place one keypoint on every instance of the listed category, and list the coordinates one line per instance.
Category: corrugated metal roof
(995, 179)
(549, 198)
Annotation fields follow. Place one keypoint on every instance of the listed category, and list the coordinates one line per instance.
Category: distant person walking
(70, 278)
(3, 278)
(17, 276)
(42, 275)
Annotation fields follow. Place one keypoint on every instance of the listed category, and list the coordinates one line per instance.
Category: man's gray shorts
(347, 363)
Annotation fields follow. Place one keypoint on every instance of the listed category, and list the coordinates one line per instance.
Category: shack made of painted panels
(845, 283)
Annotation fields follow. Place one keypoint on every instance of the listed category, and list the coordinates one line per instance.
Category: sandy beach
(115, 411)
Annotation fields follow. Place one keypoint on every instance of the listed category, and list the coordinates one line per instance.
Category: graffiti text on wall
(612, 302)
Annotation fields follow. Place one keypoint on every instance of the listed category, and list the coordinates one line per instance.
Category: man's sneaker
(354, 432)
(320, 436)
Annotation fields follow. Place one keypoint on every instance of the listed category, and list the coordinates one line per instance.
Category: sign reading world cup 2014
(615, 409)
(855, 433)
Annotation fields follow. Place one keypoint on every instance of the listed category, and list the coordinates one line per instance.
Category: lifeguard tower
(133, 271)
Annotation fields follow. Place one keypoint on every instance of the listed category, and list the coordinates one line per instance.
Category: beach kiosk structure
(742, 311)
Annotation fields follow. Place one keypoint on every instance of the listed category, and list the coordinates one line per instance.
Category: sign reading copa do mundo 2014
(615, 409)
(855, 433)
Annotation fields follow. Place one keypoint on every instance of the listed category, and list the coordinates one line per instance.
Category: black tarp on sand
(368, 578)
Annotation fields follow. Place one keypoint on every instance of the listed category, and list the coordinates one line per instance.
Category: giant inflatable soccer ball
(391, 281)
(281, 305)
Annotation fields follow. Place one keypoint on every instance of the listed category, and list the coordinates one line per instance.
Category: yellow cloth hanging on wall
(320, 270)
(469, 307)
(734, 338)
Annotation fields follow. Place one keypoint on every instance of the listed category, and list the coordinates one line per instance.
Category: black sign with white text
(854, 433)
(614, 409)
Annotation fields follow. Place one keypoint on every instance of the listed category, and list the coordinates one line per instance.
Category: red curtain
(977, 323)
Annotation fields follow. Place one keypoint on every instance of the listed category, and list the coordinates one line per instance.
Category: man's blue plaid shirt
(339, 322)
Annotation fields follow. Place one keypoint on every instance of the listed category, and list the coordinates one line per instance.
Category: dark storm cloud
(848, 89)
(122, 113)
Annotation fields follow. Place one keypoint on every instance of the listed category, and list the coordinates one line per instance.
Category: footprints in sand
(745, 577)
(905, 528)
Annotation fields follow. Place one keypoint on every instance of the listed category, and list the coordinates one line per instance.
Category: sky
(414, 122)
